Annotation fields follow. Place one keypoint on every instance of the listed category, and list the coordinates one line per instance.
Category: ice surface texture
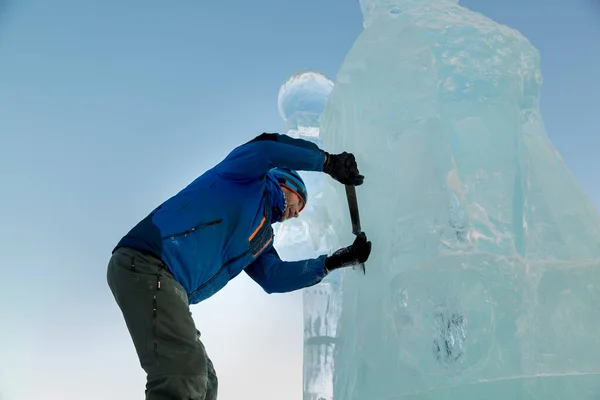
(484, 277)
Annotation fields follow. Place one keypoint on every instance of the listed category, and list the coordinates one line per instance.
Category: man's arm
(268, 151)
(277, 276)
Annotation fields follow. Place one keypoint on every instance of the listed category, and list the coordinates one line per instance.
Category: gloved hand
(357, 252)
(342, 167)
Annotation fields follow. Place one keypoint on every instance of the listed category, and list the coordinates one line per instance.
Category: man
(194, 243)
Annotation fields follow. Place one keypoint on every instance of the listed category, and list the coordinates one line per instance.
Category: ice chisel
(354, 216)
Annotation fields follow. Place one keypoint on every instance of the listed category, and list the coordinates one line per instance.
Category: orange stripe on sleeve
(266, 244)
(257, 229)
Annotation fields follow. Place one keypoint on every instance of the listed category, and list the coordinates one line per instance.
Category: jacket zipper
(202, 225)
(208, 282)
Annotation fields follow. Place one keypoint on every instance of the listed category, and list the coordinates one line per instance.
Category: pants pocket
(133, 293)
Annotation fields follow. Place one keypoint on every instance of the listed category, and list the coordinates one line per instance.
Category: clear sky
(109, 108)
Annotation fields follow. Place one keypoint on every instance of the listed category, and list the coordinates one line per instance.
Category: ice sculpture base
(559, 387)
(501, 327)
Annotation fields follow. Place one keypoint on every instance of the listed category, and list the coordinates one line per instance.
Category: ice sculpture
(301, 101)
(484, 277)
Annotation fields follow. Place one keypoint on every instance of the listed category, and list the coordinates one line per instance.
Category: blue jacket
(220, 224)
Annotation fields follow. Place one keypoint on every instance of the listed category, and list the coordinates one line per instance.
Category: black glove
(342, 167)
(357, 252)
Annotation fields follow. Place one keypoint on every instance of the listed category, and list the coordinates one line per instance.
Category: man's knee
(212, 384)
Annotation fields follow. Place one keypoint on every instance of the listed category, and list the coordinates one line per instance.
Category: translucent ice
(301, 102)
(484, 277)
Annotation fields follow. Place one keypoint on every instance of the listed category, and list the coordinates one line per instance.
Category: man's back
(202, 233)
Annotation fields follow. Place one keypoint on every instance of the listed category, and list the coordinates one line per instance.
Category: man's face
(294, 204)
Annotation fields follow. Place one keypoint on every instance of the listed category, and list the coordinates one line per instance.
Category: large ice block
(484, 281)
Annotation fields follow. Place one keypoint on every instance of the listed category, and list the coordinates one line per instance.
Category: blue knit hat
(291, 180)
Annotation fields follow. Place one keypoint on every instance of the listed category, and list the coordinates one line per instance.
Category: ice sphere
(301, 101)
(484, 277)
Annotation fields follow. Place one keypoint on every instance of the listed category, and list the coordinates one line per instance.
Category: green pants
(157, 315)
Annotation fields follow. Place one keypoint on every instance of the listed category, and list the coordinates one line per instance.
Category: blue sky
(108, 108)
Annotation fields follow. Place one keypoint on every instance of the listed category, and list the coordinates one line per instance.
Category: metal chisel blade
(354, 215)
